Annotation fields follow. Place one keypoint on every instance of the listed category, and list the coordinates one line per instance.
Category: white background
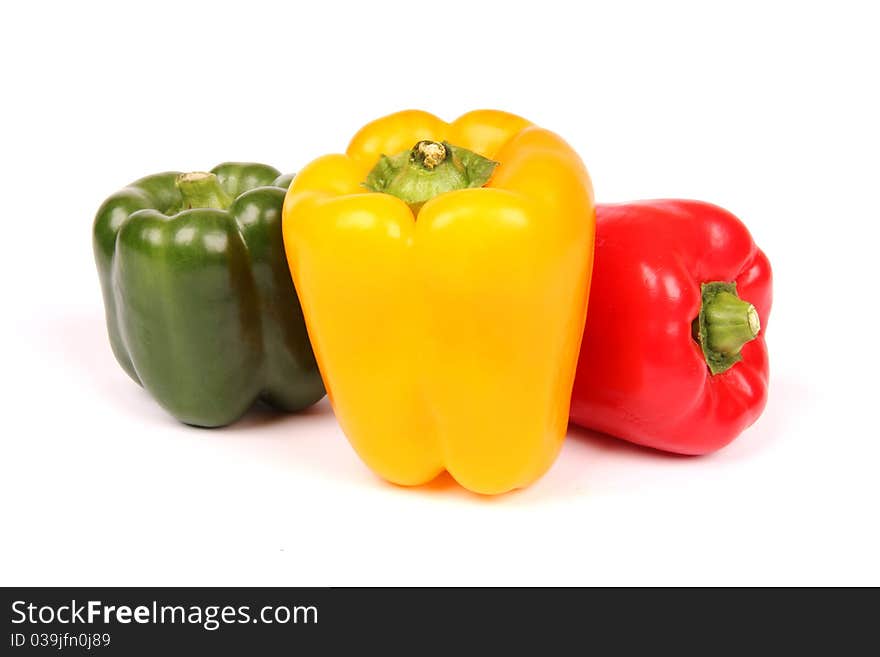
(768, 109)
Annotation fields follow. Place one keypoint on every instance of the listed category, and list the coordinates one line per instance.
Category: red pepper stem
(724, 325)
(200, 189)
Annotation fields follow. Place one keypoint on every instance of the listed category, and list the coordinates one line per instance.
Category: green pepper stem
(200, 189)
(724, 325)
(428, 169)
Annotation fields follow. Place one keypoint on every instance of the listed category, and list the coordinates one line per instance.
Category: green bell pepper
(201, 309)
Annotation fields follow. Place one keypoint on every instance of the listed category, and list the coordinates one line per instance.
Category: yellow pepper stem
(428, 169)
(428, 154)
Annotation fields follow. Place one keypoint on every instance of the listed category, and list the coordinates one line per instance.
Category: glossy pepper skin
(200, 307)
(447, 340)
(642, 376)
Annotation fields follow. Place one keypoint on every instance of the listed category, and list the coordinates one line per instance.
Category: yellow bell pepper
(446, 313)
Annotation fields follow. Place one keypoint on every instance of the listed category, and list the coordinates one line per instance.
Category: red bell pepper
(673, 355)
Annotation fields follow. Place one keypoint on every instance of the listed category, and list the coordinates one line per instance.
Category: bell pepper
(673, 354)
(445, 296)
(200, 307)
